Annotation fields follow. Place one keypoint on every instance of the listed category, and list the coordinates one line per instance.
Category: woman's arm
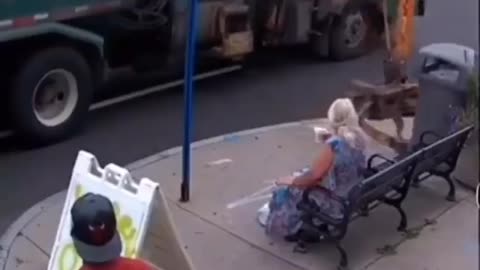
(320, 168)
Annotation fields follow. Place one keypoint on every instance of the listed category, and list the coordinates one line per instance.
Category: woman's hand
(285, 181)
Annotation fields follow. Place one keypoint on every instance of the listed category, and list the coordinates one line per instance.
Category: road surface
(290, 89)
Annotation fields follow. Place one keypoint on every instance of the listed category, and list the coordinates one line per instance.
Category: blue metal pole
(188, 95)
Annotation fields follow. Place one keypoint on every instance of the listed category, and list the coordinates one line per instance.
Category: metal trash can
(444, 72)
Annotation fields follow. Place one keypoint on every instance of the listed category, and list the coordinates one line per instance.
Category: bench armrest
(373, 157)
(306, 194)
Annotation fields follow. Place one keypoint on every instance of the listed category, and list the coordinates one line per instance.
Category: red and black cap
(94, 229)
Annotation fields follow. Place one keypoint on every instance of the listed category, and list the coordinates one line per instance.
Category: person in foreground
(95, 236)
(338, 167)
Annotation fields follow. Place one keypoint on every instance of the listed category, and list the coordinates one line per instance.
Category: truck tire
(50, 95)
(351, 33)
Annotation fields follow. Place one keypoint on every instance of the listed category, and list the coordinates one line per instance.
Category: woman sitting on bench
(338, 167)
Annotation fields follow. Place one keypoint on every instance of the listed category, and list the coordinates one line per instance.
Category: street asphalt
(290, 88)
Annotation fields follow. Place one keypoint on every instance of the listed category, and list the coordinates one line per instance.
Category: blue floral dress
(285, 219)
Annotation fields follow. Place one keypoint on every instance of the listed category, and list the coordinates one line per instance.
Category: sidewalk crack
(408, 235)
(250, 243)
(36, 245)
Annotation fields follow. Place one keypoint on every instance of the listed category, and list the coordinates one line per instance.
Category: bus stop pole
(188, 96)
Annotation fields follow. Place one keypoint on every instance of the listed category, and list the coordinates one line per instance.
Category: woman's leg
(284, 219)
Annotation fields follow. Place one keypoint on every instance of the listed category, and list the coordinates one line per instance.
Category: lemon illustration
(69, 259)
(127, 230)
(126, 226)
(79, 191)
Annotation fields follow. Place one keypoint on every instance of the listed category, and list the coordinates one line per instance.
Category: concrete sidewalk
(220, 232)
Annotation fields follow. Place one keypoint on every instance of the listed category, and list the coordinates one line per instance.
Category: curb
(7, 239)
(222, 138)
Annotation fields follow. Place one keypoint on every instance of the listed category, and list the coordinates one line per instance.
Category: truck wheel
(51, 95)
(350, 34)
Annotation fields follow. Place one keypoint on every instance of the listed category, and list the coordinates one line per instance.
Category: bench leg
(397, 204)
(343, 265)
(451, 186)
(416, 182)
(420, 178)
(300, 247)
(364, 211)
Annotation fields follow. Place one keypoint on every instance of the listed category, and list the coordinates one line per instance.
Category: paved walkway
(220, 232)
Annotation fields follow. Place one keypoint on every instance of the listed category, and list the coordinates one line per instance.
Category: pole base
(184, 193)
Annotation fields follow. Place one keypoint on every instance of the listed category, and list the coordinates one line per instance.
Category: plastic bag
(262, 214)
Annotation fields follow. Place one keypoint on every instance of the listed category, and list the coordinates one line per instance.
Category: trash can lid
(456, 54)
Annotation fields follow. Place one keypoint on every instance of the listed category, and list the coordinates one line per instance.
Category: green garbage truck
(54, 53)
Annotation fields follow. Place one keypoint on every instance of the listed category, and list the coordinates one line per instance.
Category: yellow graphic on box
(70, 260)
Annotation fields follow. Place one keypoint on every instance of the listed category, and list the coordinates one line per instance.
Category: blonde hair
(342, 113)
(343, 119)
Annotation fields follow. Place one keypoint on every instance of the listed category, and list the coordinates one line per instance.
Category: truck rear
(54, 54)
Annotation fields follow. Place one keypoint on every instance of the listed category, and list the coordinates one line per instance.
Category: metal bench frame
(377, 188)
(387, 183)
(445, 159)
